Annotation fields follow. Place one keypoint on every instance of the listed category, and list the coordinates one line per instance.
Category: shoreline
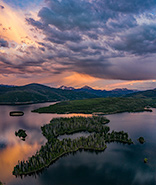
(71, 151)
(61, 155)
(25, 103)
(93, 114)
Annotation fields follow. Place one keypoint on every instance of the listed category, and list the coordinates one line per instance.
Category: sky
(106, 44)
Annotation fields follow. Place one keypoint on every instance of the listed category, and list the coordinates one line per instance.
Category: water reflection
(10, 156)
(74, 136)
(12, 148)
(118, 164)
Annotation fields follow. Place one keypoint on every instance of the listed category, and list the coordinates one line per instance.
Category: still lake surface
(118, 165)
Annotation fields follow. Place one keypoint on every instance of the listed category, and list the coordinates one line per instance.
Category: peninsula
(100, 105)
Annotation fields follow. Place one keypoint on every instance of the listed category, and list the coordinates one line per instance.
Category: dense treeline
(55, 148)
(61, 126)
(104, 105)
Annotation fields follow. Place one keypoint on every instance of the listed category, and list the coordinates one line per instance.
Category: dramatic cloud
(105, 39)
(124, 6)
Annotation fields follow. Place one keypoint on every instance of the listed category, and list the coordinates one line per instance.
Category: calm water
(118, 165)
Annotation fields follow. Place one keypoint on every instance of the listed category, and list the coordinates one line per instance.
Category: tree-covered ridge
(37, 93)
(104, 105)
(54, 148)
(143, 94)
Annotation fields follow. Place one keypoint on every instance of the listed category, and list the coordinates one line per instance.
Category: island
(21, 134)
(99, 136)
(98, 106)
(141, 140)
(16, 113)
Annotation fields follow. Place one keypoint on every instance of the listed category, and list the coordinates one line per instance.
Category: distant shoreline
(25, 103)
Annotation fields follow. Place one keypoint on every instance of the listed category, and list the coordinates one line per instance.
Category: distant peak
(34, 84)
(87, 87)
(63, 87)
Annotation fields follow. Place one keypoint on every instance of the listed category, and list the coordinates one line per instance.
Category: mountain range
(37, 93)
(100, 93)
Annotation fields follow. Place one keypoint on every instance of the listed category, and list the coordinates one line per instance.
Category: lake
(119, 164)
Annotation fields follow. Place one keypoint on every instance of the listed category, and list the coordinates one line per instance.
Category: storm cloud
(107, 39)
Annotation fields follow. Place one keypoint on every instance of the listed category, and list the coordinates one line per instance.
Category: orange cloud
(66, 78)
(77, 79)
(124, 84)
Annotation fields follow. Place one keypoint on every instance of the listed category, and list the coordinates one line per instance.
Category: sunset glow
(77, 43)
